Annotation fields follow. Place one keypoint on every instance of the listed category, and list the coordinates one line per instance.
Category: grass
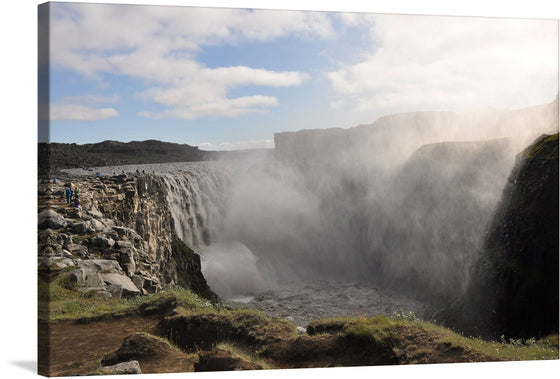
(546, 348)
(242, 353)
(59, 300)
(251, 321)
(545, 148)
(400, 331)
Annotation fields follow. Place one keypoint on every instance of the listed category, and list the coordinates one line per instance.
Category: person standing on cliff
(76, 193)
(68, 195)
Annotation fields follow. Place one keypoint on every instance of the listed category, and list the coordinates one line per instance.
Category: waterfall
(199, 197)
(415, 227)
(196, 195)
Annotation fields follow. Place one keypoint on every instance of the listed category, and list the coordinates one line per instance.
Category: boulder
(127, 285)
(138, 281)
(103, 242)
(50, 219)
(127, 261)
(132, 367)
(53, 263)
(152, 284)
(97, 225)
(95, 213)
(125, 232)
(79, 250)
(82, 227)
(66, 254)
(87, 277)
(75, 212)
(115, 290)
(120, 178)
(102, 265)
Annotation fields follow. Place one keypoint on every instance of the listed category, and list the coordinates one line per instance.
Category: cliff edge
(120, 241)
(513, 290)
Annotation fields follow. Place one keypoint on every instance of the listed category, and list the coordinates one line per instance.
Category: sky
(226, 78)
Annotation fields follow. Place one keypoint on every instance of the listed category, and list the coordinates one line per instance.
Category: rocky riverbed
(303, 302)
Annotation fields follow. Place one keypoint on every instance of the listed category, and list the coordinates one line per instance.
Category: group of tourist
(73, 196)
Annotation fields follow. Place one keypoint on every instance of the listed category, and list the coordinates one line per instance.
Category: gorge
(403, 212)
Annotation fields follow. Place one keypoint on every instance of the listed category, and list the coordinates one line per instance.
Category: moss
(544, 148)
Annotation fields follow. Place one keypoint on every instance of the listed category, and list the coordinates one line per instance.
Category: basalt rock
(121, 240)
(132, 367)
(514, 284)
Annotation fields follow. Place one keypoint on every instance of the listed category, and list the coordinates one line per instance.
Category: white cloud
(437, 62)
(205, 145)
(78, 108)
(220, 107)
(80, 112)
(205, 93)
(91, 99)
(159, 46)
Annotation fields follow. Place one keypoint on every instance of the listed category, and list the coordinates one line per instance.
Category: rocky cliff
(119, 242)
(513, 289)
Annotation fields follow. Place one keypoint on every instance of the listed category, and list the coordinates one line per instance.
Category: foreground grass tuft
(423, 338)
(59, 300)
(238, 351)
(413, 341)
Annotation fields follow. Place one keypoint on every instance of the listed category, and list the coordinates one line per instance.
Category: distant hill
(53, 156)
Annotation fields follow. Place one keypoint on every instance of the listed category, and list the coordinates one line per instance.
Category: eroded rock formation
(119, 242)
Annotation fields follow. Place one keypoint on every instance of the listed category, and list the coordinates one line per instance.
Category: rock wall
(514, 284)
(119, 242)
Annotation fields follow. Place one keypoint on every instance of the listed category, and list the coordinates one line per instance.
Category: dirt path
(77, 348)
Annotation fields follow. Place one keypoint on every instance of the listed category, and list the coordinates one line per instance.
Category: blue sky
(230, 78)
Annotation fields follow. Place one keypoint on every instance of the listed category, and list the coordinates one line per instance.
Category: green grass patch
(422, 336)
(543, 349)
(59, 300)
(545, 148)
(244, 354)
